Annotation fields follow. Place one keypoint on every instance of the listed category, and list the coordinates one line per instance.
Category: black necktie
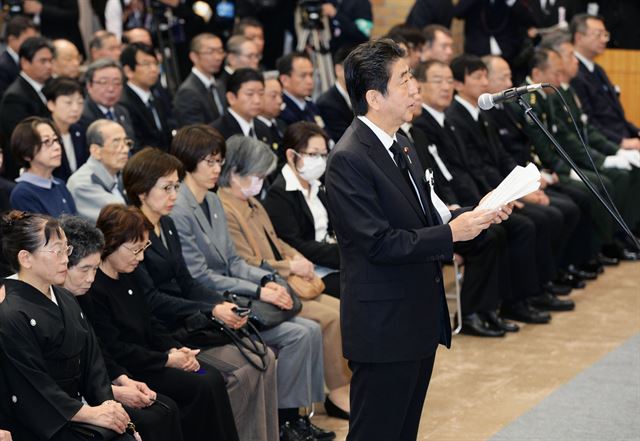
(216, 99)
(156, 119)
(401, 161)
(252, 133)
(109, 115)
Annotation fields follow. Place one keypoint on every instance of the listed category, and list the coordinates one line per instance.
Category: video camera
(311, 13)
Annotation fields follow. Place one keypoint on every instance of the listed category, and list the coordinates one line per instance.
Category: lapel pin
(406, 153)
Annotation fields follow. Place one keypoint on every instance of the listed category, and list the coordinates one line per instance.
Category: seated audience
(24, 96)
(245, 90)
(251, 29)
(97, 182)
(296, 202)
(241, 52)
(248, 162)
(65, 102)
(104, 44)
(53, 367)
(149, 116)
(413, 38)
(296, 77)
(136, 340)
(66, 59)
(599, 97)
(270, 110)
(335, 104)
(137, 35)
(151, 180)
(17, 30)
(104, 79)
(200, 99)
(36, 145)
(438, 44)
(156, 416)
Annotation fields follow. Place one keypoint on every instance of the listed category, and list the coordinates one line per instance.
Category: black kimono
(52, 361)
(138, 342)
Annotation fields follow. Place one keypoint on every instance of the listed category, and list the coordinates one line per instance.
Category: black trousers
(332, 284)
(387, 399)
(158, 422)
(549, 224)
(205, 411)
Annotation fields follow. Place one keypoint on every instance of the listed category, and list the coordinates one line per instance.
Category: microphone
(487, 101)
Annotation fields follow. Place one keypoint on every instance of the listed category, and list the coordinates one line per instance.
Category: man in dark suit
(24, 97)
(17, 30)
(148, 114)
(245, 90)
(394, 311)
(271, 108)
(104, 79)
(599, 97)
(199, 99)
(296, 76)
(426, 12)
(334, 104)
(438, 44)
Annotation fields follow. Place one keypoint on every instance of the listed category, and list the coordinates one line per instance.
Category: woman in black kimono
(5, 407)
(52, 356)
(140, 344)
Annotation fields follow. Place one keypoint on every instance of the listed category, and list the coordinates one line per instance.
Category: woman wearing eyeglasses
(151, 179)
(35, 143)
(136, 340)
(296, 202)
(54, 367)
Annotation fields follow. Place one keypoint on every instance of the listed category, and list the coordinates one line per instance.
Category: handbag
(198, 331)
(265, 315)
(91, 432)
(306, 289)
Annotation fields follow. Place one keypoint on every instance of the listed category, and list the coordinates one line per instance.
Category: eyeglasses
(599, 34)
(251, 56)
(48, 143)
(139, 250)
(171, 188)
(212, 162)
(104, 82)
(215, 50)
(119, 142)
(60, 252)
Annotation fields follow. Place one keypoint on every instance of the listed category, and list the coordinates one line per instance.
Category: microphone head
(485, 101)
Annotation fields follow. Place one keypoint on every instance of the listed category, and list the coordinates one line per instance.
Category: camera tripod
(314, 33)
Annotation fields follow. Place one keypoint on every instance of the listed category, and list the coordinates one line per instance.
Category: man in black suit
(17, 30)
(24, 97)
(199, 99)
(334, 105)
(599, 97)
(392, 242)
(271, 108)
(296, 76)
(245, 90)
(104, 79)
(426, 12)
(148, 114)
(438, 44)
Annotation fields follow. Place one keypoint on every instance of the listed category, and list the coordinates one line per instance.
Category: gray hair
(95, 133)
(555, 40)
(271, 75)
(100, 64)
(234, 44)
(85, 238)
(246, 156)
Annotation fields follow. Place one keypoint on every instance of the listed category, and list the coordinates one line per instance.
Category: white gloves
(632, 156)
(616, 161)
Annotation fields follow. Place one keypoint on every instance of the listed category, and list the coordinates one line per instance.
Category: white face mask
(313, 168)
(253, 188)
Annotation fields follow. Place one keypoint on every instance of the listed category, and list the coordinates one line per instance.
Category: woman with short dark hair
(54, 365)
(140, 344)
(35, 143)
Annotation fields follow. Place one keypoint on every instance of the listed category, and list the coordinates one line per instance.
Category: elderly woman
(35, 143)
(296, 202)
(54, 367)
(136, 340)
(248, 161)
(151, 181)
(156, 417)
(212, 259)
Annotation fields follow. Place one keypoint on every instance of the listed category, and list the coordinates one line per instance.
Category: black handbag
(198, 332)
(97, 433)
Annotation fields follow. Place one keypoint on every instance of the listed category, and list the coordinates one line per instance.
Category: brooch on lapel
(406, 153)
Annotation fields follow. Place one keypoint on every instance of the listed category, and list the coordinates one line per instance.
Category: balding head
(66, 59)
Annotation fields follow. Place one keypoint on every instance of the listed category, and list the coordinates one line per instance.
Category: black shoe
(629, 255)
(549, 302)
(306, 427)
(557, 289)
(524, 313)
(289, 433)
(608, 260)
(496, 321)
(567, 279)
(474, 325)
(334, 411)
(593, 266)
(581, 274)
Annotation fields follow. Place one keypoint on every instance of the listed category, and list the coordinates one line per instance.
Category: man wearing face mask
(296, 202)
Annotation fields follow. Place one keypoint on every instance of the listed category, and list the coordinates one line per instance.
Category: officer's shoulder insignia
(533, 99)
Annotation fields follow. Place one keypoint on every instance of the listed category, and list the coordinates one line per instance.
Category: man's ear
(96, 151)
(373, 98)
(231, 98)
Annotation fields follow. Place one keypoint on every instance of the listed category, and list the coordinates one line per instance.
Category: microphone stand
(531, 114)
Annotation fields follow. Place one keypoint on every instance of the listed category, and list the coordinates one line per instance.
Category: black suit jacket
(426, 12)
(79, 147)
(194, 104)
(59, 19)
(294, 223)
(292, 113)
(92, 112)
(335, 112)
(144, 126)
(391, 253)
(9, 71)
(19, 101)
(228, 126)
(601, 103)
(453, 153)
(514, 140)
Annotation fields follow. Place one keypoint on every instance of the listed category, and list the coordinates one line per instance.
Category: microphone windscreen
(485, 101)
